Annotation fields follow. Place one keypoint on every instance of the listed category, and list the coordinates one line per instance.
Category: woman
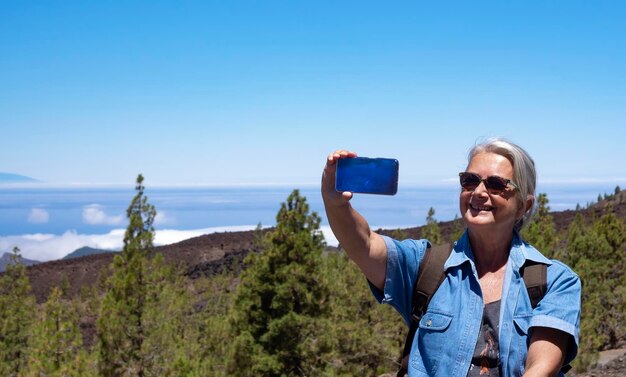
(480, 320)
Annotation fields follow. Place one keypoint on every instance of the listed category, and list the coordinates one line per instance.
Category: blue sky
(251, 92)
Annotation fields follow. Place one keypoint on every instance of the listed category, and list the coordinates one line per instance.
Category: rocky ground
(612, 363)
(204, 255)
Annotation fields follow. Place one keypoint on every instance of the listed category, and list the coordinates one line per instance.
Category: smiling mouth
(477, 207)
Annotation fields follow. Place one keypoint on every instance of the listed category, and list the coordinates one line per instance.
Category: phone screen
(367, 175)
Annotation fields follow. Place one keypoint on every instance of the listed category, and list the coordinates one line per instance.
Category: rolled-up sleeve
(560, 307)
(403, 258)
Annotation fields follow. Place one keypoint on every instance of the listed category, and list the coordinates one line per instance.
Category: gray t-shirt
(486, 359)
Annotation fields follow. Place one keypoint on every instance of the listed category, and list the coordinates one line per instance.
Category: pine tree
(399, 234)
(171, 346)
(56, 344)
(576, 231)
(582, 244)
(280, 297)
(121, 328)
(541, 232)
(431, 230)
(214, 332)
(458, 228)
(597, 254)
(16, 317)
(358, 337)
(612, 264)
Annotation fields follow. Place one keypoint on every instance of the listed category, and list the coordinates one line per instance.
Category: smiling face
(485, 212)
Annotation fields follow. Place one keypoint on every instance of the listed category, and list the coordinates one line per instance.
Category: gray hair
(524, 173)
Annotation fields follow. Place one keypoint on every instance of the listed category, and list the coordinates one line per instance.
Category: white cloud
(170, 236)
(38, 216)
(329, 236)
(162, 218)
(94, 214)
(38, 237)
(45, 247)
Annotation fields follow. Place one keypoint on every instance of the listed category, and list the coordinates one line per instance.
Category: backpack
(431, 275)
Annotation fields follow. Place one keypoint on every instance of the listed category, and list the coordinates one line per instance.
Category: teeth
(481, 208)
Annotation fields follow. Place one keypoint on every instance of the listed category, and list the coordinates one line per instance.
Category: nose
(481, 189)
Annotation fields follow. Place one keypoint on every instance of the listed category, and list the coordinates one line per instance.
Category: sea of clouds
(46, 247)
(101, 224)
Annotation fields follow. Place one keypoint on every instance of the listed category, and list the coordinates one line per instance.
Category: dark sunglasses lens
(496, 183)
(469, 180)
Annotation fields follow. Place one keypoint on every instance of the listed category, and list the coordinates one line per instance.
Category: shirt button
(429, 323)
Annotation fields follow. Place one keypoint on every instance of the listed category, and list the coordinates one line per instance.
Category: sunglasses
(493, 183)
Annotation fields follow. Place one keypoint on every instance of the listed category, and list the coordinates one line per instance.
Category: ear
(525, 206)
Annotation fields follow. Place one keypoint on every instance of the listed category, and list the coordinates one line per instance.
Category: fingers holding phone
(329, 193)
(338, 155)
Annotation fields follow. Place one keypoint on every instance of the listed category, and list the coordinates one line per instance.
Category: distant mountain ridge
(15, 178)
(6, 260)
(86, 250)
(80, 252)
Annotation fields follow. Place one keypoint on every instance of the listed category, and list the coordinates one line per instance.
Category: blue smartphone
(367, 175)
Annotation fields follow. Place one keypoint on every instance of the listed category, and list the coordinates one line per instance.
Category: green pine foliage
(399, 234)
(458, 228)
(121, 327)
(171, 347)
(598, 254)
(431, 230)
(56, 348)
(280, 298)
(146, 325)
(609, 267)
(541, 232)
(16, 317)
(215, 338)
(360, 336)
(356, 337)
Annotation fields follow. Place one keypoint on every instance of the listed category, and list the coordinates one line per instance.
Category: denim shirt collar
(520, 252)
(461, 253)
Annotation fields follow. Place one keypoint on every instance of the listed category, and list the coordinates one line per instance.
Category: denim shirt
(448, 331)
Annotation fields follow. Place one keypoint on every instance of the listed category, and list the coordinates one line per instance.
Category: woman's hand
(329, 194)
(366, 248)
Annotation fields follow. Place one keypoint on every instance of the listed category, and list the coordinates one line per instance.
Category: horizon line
(408, 183)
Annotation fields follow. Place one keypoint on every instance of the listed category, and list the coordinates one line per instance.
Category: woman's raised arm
(366, 248)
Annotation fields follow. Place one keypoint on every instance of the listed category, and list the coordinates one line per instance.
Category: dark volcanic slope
(199, 255)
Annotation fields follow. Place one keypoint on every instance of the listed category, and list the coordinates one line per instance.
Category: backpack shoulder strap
(536, 280)
(429, 277)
